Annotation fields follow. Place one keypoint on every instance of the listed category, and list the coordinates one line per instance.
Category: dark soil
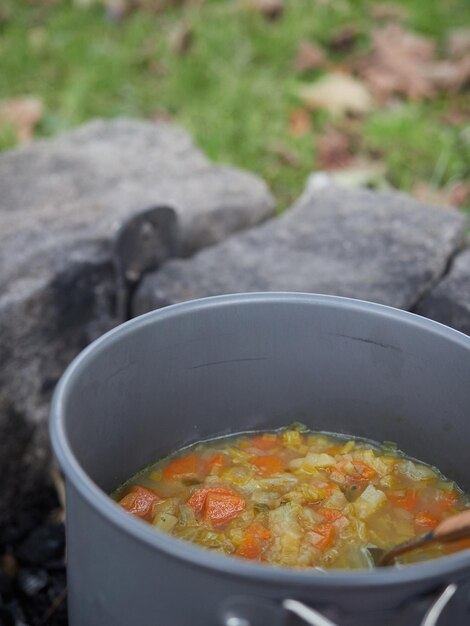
(32, 567)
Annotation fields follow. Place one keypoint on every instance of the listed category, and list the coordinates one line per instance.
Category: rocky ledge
(121, 217)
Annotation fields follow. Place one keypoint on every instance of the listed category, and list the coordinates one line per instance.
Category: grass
(233, 90)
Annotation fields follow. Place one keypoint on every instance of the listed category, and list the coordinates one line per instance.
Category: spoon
(451, 529)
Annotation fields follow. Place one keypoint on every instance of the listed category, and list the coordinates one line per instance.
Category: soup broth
(295, 498)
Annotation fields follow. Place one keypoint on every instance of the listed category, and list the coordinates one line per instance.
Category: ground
(227, 73)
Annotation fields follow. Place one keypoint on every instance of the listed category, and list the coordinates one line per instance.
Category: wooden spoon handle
(453, 528)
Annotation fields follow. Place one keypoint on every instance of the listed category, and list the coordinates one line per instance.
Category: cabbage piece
(370, 501)
(165, 522)
(415, 471)
(285, 527)
(313, 461)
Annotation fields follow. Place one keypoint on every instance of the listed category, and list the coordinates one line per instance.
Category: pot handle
(309, 615)
(314, 618)
(433, 614)
(437, 607)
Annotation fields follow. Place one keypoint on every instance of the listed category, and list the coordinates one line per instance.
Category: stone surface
(383, 247)
(449, 301)
(63, 204)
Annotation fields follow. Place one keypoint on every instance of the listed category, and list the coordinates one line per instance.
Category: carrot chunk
(330, 515)
(264, 442)
(219, 509)
(198, 498)
(214, 463)
(255, 541)
(426, 520)
(182, 467)
(267, 465)
(364, 473)
(323, 536)
(140, 502)
(404, 500)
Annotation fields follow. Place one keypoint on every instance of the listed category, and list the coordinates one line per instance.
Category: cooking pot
(251, 362)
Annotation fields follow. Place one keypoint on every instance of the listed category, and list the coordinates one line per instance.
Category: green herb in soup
(297, 499)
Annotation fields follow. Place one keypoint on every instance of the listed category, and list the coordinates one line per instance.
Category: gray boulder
(383, 247)
(449, 301)
(68, 211)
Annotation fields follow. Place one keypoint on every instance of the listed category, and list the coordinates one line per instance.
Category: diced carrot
(140, 502)
(445, 502)
(323, 536)
(404, 500)
(426, 520)
(254, 542)
(264, 442)
(198, 498)
(214, 463)
(220, 509)
(364, 472)
(334, 450)
(182, 467)
(267, 465)
(330, 515)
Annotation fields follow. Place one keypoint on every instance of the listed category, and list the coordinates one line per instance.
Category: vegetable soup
(295, 498)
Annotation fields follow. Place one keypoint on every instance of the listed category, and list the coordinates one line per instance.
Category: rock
(46, 543)
(449, 301)
(63, 206)
(31, 581)
(82, 216)
(383, 247)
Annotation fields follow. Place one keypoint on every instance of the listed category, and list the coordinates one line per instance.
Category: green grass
(233, 90)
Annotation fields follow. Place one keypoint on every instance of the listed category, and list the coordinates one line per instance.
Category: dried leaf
(338, 94)
(162, 116)
(181, 38)
(300, 123)
(333, 150)
(344, 39)
(459, 194)
(456, 116)
(309, 57)
(403, 63)
(455, 195)
(458, 43)
(285, 155)
(388, 12)
(271, 9)
(23, 114)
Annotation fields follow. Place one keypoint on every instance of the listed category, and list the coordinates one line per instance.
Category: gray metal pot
(243, 362)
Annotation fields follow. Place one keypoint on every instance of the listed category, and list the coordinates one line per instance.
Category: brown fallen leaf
(338, 94)
(162, 116)
(458, 42)
(456, 116)
(454, 195)
(271, 9)
(333, 150)
(300, 123)
(309, 57)
(388, 12)
(285, 155)
(181, 38)
(344, 39)
(23, 114)
(403, 63)
(459, 194)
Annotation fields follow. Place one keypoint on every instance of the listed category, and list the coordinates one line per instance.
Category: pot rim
(102, 504)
